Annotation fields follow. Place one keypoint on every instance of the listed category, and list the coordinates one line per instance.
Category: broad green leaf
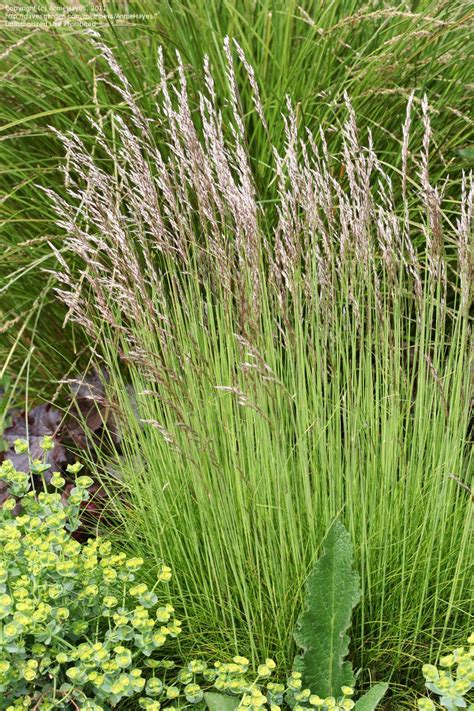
(219, 702)
(332, 591)
(369, 701)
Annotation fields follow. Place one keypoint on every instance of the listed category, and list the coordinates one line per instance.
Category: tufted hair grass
(291, 361)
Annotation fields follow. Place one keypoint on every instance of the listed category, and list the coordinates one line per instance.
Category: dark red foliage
(42, 420)
(87, 421)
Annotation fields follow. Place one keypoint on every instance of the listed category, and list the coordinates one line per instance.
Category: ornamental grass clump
(76, 627)
(292, 354)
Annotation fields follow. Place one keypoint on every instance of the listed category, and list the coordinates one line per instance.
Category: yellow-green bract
(75, 628)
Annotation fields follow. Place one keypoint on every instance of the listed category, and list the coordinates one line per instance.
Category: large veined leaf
(332, 591)
(219, 702)
(369, 701)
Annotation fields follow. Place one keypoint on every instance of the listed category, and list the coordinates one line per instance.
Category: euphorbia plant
(453, 682)
(76, 626)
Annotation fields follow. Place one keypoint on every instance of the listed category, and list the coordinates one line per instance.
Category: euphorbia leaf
(219, 702)
(370, 700)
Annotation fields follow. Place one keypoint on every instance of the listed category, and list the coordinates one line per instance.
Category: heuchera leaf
(89, 417)
(42, 420)
(219, 702)
(332, 591)
(370, 700)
